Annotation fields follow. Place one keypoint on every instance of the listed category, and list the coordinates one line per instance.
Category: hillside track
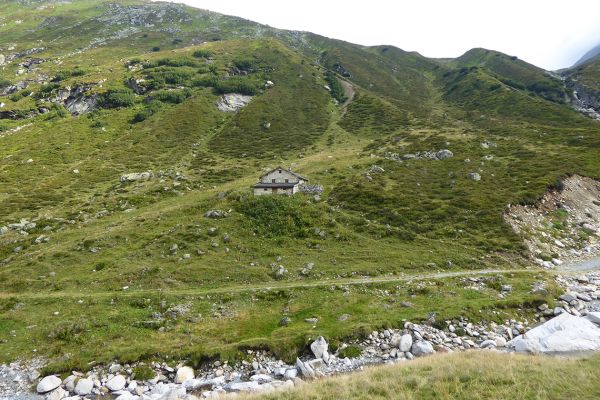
(268, 287)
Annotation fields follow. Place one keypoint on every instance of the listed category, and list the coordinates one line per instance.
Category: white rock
(136, 176)
(183, 374)
(564, 333)
(84, 387)
(261, 378)
(126, 396)
(69, 383)
(232, 102)
(244, 387)
(116, 383)
(406, 343)
(593, 317)
(305, 369)
(488, 344)
(57, 394)
(421, 348)
(319, 347)
(290, 373)
(48, 383)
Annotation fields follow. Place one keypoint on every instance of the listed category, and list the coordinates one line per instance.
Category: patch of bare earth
(563, 228)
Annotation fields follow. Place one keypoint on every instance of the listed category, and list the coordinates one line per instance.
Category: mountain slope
(95, 91)
(588, 56)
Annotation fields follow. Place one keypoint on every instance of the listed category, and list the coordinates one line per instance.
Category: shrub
(143, 373)
(18, 96)
(202, 53)
(350, 351)
(62, 112)
(4, 83)
(151, 109)
(172, 96)
(117, 98)
(337, 91)
(205, 81)
(244, 64)
(278, 216)
(236, 85)
(46, 90)
(156, 48)
(65, 74)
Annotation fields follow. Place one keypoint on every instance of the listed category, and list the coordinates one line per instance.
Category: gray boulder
(48, 383)
(319, 347)
(305, 369)
(136, 176)
(116, 383)
(474, 176)
(421, 348)
(444, 154)
(563, 334)
(406, 343)
(232, 102)
(216, 214)
(183, 374)
(84, 387)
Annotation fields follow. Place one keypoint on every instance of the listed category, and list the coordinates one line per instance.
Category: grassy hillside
(474, 375)
(106, 255)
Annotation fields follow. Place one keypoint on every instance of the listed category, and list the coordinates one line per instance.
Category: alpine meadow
(444, 205)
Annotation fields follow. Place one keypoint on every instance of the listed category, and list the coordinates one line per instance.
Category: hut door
(274, 190)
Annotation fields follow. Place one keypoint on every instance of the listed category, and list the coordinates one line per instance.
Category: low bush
(202, 53)
(278, 216)
(118, 98)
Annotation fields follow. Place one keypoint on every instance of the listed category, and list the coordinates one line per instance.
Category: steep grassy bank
(471, 375)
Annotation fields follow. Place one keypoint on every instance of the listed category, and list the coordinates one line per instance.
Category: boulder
(116, 383)
(232, 102)
(57, 394)
(251, 386)
(305, 369)
(290, 373)
(443, 154)
(216, 214)
(562, 334)
(84, 387)
(183, 374)
(406, 343)
(319, 347)
(136, 176)
(421, 348)
(69, 383)
(48, 383)
(474, 176)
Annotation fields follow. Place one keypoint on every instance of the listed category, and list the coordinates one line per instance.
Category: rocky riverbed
(575, 328)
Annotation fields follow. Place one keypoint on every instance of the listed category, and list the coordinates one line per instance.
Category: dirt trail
(277, 286)
(562, 230)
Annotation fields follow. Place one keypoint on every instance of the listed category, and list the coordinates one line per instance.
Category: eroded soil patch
(562, 229)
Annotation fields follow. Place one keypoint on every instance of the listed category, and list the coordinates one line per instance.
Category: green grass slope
(105, 256)
(476, 375)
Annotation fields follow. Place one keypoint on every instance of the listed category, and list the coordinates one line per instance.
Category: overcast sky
(548, 33)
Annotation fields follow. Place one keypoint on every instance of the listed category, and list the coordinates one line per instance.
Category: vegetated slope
(584, 81)
(474, 375)
(515, 73)
(102, 89)
(588, 56)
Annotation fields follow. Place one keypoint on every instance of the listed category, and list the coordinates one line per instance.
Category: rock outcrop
(232, 102)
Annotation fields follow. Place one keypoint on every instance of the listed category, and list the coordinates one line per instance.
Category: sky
(551, 34)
